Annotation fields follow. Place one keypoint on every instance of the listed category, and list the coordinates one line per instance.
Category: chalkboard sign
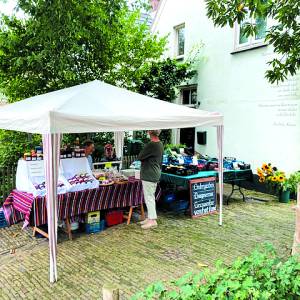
(203, 196)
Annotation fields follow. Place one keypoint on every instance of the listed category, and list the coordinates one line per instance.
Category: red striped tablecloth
(20, 205)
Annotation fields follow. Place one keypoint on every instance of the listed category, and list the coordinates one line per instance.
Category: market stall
(81, 191)
(21, 206)
(95, 107)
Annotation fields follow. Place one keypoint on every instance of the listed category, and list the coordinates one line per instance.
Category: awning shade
(99, 107)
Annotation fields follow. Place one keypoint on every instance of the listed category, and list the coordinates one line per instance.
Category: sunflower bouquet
(273, 177)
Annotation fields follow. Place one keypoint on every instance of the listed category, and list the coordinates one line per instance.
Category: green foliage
(294, 180)
(284, 35)
(160, 79)
(261, 275)
(14, 144)
(62, 43)
(174, 146)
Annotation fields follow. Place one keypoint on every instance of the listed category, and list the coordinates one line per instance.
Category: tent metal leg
(220, 133)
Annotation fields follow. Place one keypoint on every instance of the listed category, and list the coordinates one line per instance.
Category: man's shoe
(150, 224)
(144, 222)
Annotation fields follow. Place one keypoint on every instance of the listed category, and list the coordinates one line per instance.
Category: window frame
(176, 48)
(189, 88)
(252, 43)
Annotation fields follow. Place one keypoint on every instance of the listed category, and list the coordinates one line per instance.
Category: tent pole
(119, 144)
(51, 148)
(220, 133)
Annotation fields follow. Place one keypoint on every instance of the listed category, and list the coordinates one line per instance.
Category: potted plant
(276, 180)
(294, 181)
(285, 190)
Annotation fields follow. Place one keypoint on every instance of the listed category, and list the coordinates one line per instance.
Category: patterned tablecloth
(23, 206)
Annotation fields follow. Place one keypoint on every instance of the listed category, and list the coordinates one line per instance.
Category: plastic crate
(93, 227)
(170, 197)
(180, 205)
(102, 225)
(114, 218)
(3, 222)
(93, 217)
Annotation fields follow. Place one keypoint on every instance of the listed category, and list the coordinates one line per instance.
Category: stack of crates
(93, 223)
(2, 219)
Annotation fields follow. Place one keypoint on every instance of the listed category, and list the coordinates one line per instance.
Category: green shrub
(261, 275)
(294, 181)
(14, 144)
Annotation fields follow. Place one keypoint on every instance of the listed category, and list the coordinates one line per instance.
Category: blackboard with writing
(203, 196)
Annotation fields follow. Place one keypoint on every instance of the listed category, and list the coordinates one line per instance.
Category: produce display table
(230, 176)
(20, 205)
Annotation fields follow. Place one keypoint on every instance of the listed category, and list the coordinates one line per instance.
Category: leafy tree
(14, 144)
(62, 43)
(284, 35)
(161, 79)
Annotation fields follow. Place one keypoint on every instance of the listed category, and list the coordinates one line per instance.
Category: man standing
(151, 159)
(89, 148)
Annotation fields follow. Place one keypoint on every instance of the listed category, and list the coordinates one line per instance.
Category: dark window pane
(181, 38)
(194, 96)
(185, 96)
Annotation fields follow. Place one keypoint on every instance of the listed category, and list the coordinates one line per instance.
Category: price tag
(108, 165)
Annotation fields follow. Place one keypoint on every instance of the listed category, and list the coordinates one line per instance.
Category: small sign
(36, 168)
(203, 196)
(108, 165)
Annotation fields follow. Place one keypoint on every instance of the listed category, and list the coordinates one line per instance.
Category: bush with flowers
(273, 177)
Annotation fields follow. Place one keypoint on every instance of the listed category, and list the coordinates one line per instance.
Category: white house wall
(262, 121)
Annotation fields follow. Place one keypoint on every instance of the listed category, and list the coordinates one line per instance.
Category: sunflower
(274, 178)
(260, 171)
(269, 170)
(265, 167)
(281, 178)
(261, 176)
(262, 179)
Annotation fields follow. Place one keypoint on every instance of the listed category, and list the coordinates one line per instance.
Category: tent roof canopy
(97, 107)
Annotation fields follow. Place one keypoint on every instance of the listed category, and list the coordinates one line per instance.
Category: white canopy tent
(97, 107)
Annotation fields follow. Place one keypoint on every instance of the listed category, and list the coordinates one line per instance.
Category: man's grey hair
(155, 132)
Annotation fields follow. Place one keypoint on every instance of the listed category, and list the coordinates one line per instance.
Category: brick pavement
(132, 258)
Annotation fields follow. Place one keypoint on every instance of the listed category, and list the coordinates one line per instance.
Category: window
(179, 41)
(243, 42)
(189, 96)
